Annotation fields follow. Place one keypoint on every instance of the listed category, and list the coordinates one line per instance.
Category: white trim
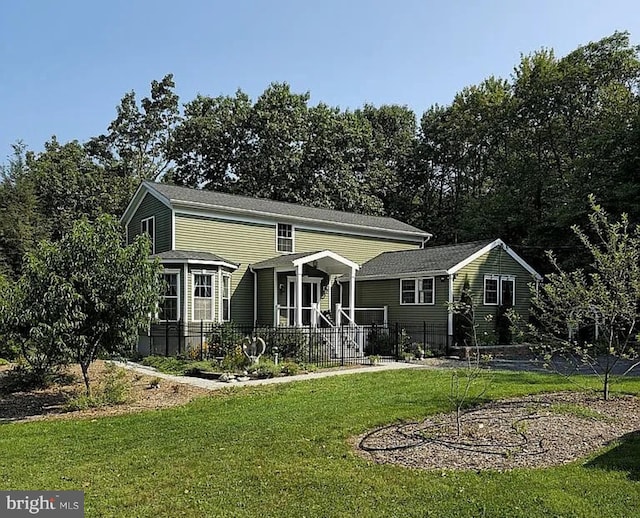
(200, 262)
(133, 205)
(173, 271)
(227, 275)
(185, 313)
(326, 253)
(212, 274)
(387, 276)
(500, 279)
(312, 224)
(488, 248)
(276, 323)
(219, 293)
(173, 229)
(416, 291)
(484, 290)
(293, 238)
(291, 279)
(153, 236)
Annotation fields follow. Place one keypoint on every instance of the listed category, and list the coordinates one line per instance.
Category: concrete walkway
(217, 385)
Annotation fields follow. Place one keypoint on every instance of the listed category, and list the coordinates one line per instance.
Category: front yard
(287, 451)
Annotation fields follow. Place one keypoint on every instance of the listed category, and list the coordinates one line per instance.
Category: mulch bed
(528, 432)
(144, 393)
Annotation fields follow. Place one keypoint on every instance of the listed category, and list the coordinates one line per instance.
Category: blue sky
(66, 64)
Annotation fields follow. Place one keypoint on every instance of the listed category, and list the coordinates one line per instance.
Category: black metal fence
(321, 346)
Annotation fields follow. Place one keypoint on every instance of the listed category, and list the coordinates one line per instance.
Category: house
(418, 285)
(247, 260)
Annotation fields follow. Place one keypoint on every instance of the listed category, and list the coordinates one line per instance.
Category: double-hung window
(202, 302)
(499, 289)
(169, 306)
(284, 242)
(417, 291)
(226, 297)
(148, 226)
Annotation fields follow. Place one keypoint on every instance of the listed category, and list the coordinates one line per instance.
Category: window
(147, 226)
(226, 297)
(491, 290)
(285, 238)
(417, 291)
(499, 289)
(202, 296)
(507, 291)
(407, 291)
(170, 303)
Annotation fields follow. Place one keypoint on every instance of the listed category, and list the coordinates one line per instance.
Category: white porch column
(298, 302)
(352, 296)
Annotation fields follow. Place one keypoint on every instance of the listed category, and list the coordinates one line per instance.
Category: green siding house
(418, 285)
(259, 262)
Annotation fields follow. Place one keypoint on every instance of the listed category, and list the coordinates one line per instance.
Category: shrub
(264, 369)
(114, 390)
(290, 369)
(380, 341)
(291, 342)
(222, 341)
(234, 360)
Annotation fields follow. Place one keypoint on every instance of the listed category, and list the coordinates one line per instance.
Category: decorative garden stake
(253, 348)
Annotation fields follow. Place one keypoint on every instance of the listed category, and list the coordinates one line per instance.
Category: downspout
(450, 313)
(185, 292)
(255, 295)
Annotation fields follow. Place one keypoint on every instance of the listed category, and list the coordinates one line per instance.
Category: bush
(264, 369)
(221, 341)
(380, 341)
(291, 342)
(234, 360)
(114, 390)
(22, 378)
(290, 369)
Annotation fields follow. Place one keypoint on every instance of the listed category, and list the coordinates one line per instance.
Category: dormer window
(147, 226)
(284, 238)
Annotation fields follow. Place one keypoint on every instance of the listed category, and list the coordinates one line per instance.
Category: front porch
(301, 290)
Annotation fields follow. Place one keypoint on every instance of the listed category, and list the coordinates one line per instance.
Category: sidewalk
(217, 385)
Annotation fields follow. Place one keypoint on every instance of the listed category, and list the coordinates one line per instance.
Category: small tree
(605, 299)
(468, 384)
(83, 296)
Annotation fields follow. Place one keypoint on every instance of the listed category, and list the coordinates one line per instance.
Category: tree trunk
(85, 375)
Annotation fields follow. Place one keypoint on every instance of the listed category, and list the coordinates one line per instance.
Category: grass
(282, 450)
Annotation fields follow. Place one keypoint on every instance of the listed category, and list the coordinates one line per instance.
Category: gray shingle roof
(429, 259)
(186, 255)
(280, 260)
(212, 199)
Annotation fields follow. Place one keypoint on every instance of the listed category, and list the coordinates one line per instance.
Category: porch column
(352, 296)
(298, 302)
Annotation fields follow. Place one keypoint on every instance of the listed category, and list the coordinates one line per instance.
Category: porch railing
(363, 316)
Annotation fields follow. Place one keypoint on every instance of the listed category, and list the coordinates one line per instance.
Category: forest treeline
(513, 158)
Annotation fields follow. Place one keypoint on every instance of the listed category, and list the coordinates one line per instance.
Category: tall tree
(137, 141)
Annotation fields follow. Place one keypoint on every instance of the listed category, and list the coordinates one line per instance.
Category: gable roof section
(436, 260)
(211, 201)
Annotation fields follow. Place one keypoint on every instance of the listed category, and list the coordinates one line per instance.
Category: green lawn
(282, 451)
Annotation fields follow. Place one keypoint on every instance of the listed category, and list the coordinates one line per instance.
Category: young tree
(605, 300)
(83, 296)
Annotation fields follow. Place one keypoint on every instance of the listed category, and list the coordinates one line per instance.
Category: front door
(310, 296)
